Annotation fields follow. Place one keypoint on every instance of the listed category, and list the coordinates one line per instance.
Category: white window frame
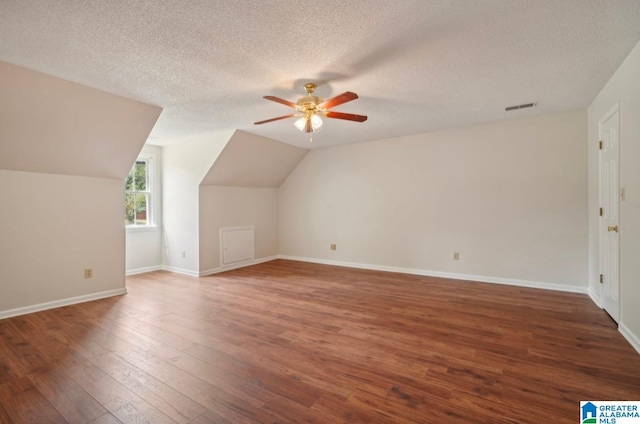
(150, 192)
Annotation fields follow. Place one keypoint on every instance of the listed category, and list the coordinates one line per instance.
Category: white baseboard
(182, 271)
(236, 266)
(218, 269)
(594, 298)
(632, 338)
(143, 270)
(63, 302)
(453, 276)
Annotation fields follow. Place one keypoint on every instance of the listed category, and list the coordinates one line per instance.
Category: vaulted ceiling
(417, 65)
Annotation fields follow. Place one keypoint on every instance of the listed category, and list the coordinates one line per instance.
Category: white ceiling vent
(523, 106)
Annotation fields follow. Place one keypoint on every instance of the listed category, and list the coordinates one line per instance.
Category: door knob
(614, 228)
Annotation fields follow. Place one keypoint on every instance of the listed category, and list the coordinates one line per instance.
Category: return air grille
(523, 106)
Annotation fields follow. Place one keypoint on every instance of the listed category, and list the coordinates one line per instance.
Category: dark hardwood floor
(290, 342)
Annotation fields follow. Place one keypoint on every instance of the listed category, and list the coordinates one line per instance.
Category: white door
(609, 216)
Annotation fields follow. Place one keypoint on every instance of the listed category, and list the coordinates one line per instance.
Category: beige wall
(622, 88)
(53, 227)
(65, 150)
(49, 125)
(184, 165)
(249, 160)
(511, 197)
(241, 189)
(233, 207)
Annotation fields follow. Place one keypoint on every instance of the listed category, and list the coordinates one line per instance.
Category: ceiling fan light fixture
(301, 123)
(316, 122)
(314, 119)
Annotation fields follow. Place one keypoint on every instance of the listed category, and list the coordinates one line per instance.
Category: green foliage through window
(137, 194)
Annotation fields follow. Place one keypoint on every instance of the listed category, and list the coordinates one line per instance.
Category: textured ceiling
(418, 66)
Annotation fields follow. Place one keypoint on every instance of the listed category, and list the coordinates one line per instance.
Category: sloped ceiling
(417, 65)
(53, 126)
(250, 160)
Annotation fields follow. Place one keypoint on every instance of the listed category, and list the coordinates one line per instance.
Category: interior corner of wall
(632, 338)
(594, 297)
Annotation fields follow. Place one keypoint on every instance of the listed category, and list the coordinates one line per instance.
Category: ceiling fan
(310, 109)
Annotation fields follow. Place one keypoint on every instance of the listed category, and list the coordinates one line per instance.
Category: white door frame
(608, 238)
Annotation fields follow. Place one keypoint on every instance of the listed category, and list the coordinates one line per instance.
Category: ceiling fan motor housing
(308, 104)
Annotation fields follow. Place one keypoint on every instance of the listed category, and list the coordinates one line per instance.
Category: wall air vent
(524, 106)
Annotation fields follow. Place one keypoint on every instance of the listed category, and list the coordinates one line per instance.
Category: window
(138, 194)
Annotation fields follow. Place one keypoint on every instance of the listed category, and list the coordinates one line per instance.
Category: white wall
(510, 196)
(623, 87)
(184, 165)
(53, 227)
(144, 245)
(232, 207)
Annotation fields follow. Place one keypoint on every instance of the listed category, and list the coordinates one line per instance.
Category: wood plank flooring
(290, 342)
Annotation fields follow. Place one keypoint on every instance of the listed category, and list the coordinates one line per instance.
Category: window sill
(140, 228)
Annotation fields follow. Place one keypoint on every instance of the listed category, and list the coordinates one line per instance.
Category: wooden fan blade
(274, 119)
(282, 101)
(347, 116)
(338, 100)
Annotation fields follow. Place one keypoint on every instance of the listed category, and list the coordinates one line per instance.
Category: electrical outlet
(88, 273)
(184, 253)
(333, 246)
(456, 256)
